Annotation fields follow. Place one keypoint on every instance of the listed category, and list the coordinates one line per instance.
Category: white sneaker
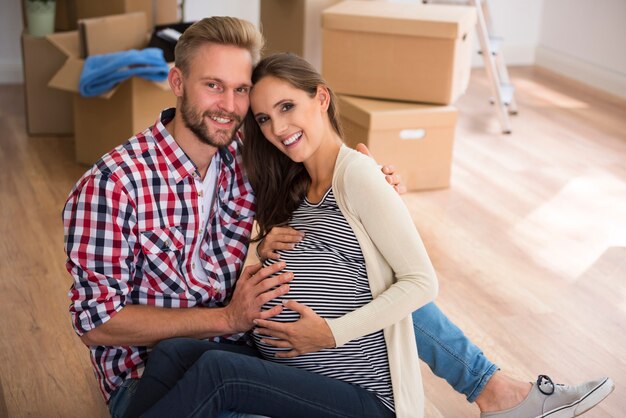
(549, 400)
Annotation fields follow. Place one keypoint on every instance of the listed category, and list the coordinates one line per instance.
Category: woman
(351, 219)
(360, 251)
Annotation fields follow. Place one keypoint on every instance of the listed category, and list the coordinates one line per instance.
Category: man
(156, 235)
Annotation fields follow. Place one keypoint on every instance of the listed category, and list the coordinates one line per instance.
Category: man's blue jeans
(445, 349)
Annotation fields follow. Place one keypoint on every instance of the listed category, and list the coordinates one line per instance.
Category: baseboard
(11, 73)
(601, 78)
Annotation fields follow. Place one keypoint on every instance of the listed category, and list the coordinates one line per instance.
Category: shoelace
(545, 384)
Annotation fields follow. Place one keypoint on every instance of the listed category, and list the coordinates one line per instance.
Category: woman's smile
(292, 139)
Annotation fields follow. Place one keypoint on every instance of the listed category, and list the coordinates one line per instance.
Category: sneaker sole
(584, 404)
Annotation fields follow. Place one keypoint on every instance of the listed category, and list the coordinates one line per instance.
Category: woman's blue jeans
(449, 353)
(192, 378)
(441, 345)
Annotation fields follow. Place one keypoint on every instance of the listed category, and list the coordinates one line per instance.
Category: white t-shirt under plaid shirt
(132, 224)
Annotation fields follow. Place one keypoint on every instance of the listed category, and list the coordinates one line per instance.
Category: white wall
(10, 49)
(588, 45)
(518, 24)
(243, 9)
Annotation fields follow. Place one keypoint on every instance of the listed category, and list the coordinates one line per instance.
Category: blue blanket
(103, 72)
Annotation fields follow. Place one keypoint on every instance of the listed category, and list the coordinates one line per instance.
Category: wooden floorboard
(529, 243)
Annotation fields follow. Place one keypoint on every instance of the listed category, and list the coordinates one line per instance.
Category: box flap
(426, 20)
(68, 77)
(103, 35)
(385, 114)
(66, 42)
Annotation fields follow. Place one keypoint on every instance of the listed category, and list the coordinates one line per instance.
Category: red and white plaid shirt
(131, 227)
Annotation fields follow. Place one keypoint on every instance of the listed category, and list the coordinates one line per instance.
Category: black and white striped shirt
(330, 277)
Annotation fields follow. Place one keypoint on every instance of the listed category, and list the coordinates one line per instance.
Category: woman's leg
(167, 364)
(449, 353)
(225, 381)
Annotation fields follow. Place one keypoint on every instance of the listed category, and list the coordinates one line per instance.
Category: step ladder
(502, 91)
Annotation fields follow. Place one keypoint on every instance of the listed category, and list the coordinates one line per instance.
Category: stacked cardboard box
(417, 58)
(418, 53)
(52, 67)
(416, 138)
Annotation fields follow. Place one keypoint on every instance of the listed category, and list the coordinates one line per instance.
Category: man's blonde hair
(221, 30)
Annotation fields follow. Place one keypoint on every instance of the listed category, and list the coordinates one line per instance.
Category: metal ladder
(502, 91)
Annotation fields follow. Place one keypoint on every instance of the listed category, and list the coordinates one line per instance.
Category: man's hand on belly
(254, 288)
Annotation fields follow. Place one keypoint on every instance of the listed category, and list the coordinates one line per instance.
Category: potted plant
(40, 16)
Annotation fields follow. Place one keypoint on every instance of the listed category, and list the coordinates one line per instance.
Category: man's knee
(220, 364)
(170, 347)
(171, 356)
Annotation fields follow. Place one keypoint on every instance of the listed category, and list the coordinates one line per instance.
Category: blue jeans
(449, 353)
(443, 347)
(201, 379)
(121, 398)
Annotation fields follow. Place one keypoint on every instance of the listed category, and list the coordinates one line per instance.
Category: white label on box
(412, 133)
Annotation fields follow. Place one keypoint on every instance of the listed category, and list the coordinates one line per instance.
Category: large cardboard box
(101, 123)
(398, 51)
(416, 138)
(294, 26)
(48, 111)
(70, 11)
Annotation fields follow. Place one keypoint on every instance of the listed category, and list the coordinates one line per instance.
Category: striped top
(330, 277)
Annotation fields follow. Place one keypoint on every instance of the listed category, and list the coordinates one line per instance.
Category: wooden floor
(529, 243)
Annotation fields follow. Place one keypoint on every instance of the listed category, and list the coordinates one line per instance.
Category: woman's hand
(308, 334)
(279, 238)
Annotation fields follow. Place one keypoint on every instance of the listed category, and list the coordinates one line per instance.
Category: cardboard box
(416, 138)
(104, 123)
(65, 15)
(48, 111)
(412, 52)
(70, 11)
(101, 123)
(112, 34)
(294, 26)
(165, 11)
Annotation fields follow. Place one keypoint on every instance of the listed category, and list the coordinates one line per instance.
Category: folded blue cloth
(103, 72)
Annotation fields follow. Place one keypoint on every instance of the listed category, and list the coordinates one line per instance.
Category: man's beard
(195, 123)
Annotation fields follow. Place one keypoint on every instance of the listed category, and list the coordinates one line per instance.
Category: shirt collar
(179, 164)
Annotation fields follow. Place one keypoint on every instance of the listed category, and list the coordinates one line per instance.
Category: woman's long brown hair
(279, 183)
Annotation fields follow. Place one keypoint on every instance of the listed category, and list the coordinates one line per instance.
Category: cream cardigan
(400, 274)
